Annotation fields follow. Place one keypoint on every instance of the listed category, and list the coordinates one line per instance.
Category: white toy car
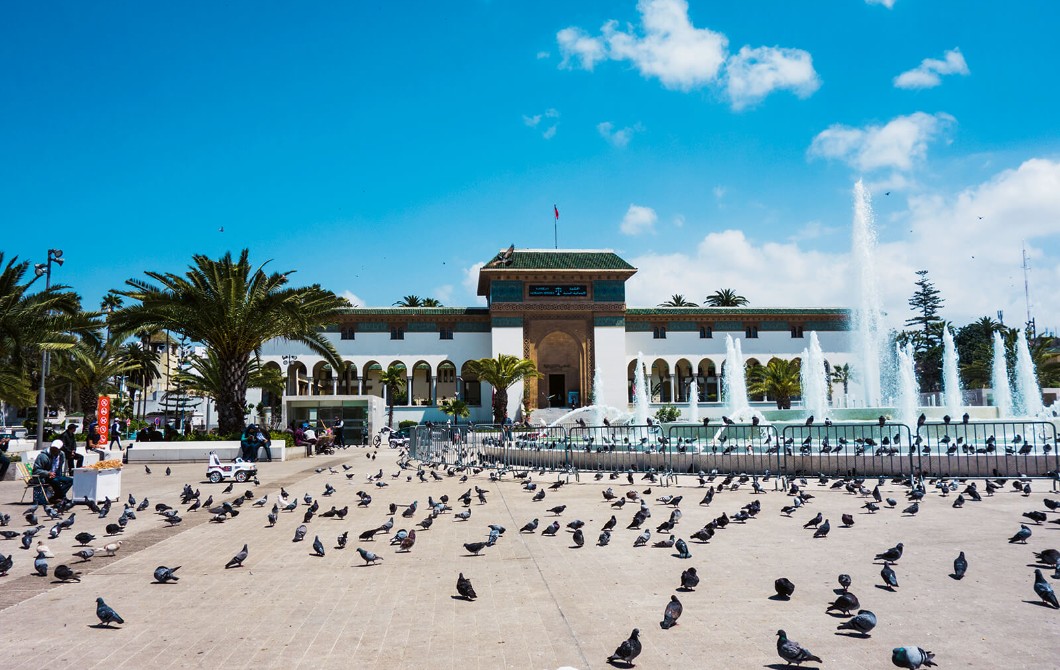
(240, 470)
(394, 438)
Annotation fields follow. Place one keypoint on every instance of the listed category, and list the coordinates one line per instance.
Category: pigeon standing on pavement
(823, 529)
(1021, 535)
(960, 566)
(912, 658)
(299, 533)
(792, 652)
(682, 549)
(890, 580)
(64, 573)
(105, 614)
(784, 587)
(464, 588)
(844, 582)
(689, 579)
(628, 650)
(579, 538)
(40, 564)
(672, 613)
(318, 546)
(369, 557)
(237, 560)
(164, 575)
(1044, 589)
(863, 623)
(892, 554)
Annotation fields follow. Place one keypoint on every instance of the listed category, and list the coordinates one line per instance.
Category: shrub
(407, 423)
(668, 414)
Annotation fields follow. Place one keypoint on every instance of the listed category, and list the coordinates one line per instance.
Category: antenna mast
(1026, 288)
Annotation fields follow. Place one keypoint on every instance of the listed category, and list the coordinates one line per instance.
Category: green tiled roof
(417, 311)
(559, 260)
(735, 311)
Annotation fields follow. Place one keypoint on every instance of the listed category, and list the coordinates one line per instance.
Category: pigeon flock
(627, 512)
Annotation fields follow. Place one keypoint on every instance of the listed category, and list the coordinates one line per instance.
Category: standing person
(68, 441)
(340, 439)
(49, 468)
(4, 461)
(115, 433)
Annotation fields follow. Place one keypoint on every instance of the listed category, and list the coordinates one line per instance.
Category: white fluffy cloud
(683, 57)
(354, 299)
(886, 3)
(929, 73)
(899, 144)
(470, 282)
(619, 138)
(973, 261)
(638, 219)
(752, 74)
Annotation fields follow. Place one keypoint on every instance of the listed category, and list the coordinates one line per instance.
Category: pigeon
(464, 588)
(792, 652)
(960, 566)
(6, 562)
(604, 539)
(40, 564)
(462, 516)
(318, 546)
(863, 623)
(784, 587)
(164, 575)
(643, 538)
(912, 510)
(844, 603)
(272, 519)
(890, 579)
(558, 509)
(1048, 557)
(682, 549)
(146, 470)
(474, 547)
(814, 521)
(822, 530)
(689, 579)
(237, 560)
(1021, 535)
(64, 574)
(105, 614)
(552, 529)
(665, 544)
(408, 541)
(672, 613)
(1044, 589)
(1036, 516)
(891, 555)
(579, 538)
(848, 520)
(369, 557)
(912, 658)
(112, 548)
(628, 650)
(299, 533)
(85, 554)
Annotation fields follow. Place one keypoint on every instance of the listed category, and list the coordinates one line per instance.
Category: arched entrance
(561, 362)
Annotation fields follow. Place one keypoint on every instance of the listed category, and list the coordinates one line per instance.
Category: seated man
(94, 441)
(49, 469)
(249, 443)
(69, 441)
(266, 443)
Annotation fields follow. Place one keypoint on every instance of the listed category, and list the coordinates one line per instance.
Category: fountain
(868, 317)
(693, 400)
(814, 379)
(1028, 395)
(951, 381)
(596, 398)
(734, 382)
(641, 397)
(908, 389)
(1000, 380)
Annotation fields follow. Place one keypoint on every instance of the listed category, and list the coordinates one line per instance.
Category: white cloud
(886, 3)
(813, 230)
(470, 283)
(444, 294)
(679, 221)
(619, 138)
(354, 299)
(639, 219)
(534, 121)
(683, 57)
(752, 74)
(974, 262)
(899, 144)
(549, 133)
(719, 192)
(929, 73)
(543, 55)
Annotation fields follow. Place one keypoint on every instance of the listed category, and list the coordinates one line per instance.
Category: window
(659, 332)
(445, 333)
(796, 331)
(750, 332)
(706, 332)
(347, 334)
(397, 332)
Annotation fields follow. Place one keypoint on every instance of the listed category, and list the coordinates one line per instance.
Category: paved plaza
(542, 603)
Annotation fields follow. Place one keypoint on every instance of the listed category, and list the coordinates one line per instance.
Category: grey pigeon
(105, 614)
(672, 613)
(529, 527)
(1021, 535)
(604, 539)
(823, 529)
(912, 509)
(960, 566)
(552, 529)
(682, 549)
(628, 650)
(863, 623)
(792, 652)
(893, 554)
(784, 587)
(689, 579)
(64, 573)
(474, 547)
(579, 538)
(318, 546)
(464, 588)
(272, 519)
(643, 538)
(299, 533)
(84, 538)
(40, 564)
(369, 557)
(912, 658)
(844, 581)
(844, 603)
(341, 542)
(237, 560)
(164, 575)
(6, 563)
(889, 578)
(85, 554)
(1044, 589)
(1048, 557)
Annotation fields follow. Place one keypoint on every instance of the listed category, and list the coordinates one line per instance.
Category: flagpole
(555, 226)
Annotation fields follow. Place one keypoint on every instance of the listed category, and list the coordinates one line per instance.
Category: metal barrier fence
(726, 448)
(444, 445)
(620, 448)
(850, 449)
(522, 446)
(988, 449)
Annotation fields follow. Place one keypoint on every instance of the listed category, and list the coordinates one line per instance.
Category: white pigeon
(112, 548)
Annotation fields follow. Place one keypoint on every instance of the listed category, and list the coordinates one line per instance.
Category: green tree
(232, 308)
(502, 373)
(410, 301)
(780, 379)
(668, 414)
(925, 303)
(725, 297)
(204, 377)
(456, 408)
(393, 378)
(677, 300)
(144, 370)
(842, 375)
(92, 366)
(431, 302)
(975, 349)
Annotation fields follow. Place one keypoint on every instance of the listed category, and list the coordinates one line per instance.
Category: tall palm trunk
(233, 399)
(88, 398)
(500, 405)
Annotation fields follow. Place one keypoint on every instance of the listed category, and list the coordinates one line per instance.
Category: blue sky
(382, 149)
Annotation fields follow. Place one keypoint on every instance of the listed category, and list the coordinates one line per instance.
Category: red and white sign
(103, 419)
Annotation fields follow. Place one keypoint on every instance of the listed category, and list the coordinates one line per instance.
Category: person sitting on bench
(48, 468)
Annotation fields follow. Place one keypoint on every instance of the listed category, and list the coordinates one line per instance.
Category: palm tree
(677, 300)
(144, 370)
(841, 374)
(725, 297)
(30, 323)
(108, 305)
(232, 309)
(410, 301)
(431, 302)
(456, 408)
(778, 378)
(393, 378)
(501, 373)
(91, 366)
(204, 378)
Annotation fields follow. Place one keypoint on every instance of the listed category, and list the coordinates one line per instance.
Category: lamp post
(54, 255)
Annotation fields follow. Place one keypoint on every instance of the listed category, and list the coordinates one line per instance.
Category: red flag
(556, 211)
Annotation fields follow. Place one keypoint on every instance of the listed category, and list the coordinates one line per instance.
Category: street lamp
(54, 255)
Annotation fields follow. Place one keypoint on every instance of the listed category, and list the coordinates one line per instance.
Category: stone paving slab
(542, 603)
